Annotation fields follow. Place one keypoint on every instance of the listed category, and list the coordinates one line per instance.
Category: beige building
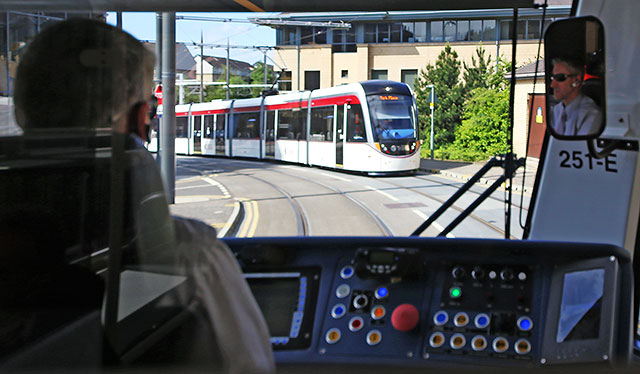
(315, 50)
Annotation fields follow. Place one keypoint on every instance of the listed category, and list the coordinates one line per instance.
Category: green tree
(483, 132)
(476, 75)
(257, 77)
(444, 75)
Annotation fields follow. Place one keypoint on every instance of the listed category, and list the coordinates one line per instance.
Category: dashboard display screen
(581, 306)
(279, 298)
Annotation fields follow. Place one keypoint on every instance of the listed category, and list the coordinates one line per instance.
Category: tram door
(220, 126)
(270, 133)
(340, 131)
(197, 134)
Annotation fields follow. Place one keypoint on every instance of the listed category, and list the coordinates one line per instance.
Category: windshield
(392, 116)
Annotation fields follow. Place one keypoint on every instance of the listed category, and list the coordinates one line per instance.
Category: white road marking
(381, 192)
(435, 224)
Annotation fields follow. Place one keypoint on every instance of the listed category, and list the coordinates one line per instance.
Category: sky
(142, 25)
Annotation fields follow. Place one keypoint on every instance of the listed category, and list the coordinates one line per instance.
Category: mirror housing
(575, 78)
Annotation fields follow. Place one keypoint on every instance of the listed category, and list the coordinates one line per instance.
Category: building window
(370, 32)
(420, 32)
(345, 74)
(527, 29)
(379, 74)
(475, 30)
(409, 77)
(311, 80)
(313, 35)
(436, 31)
(489, 30)
(396, 30)
(284, 81)
(383, 33)
(344, 41)
(288, 36)
(450, 31)
(463, 31)
(408, 32)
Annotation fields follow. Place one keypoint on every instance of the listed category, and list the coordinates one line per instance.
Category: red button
(405, 317)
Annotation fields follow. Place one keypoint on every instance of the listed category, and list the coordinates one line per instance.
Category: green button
(455, 292)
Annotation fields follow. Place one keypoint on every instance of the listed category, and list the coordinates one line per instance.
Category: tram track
(381, 225)
(455, 207)
(301, 216)
(457, 185)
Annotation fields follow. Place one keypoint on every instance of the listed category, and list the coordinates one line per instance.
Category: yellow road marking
(250, 223)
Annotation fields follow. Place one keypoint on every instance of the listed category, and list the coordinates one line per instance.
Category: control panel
(430, 302)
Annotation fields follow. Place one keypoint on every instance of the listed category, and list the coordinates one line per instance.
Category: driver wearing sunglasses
(576, 114)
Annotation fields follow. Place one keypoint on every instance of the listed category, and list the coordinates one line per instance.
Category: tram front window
(392, 117)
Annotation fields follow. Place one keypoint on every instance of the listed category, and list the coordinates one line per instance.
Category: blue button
(482, 321)
(338, 311)
(440, 318)
(525, 323)
(382, 292)
(346, 272)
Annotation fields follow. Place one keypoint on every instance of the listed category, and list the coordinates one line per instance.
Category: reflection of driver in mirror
(576, 114)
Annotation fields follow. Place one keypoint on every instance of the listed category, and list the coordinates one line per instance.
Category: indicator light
(436, 340)
(500, 344)
(525, 323)
(522, 347)
(440, 318)
(461, 319)
(356, 324)
(481, 321)
(381, 293)
(378, 312)
(478, 343)
(455, 292)
(343, 291)
(346, 272)
(374, 337)
(332, 336)
(457, 341)
(338, 311)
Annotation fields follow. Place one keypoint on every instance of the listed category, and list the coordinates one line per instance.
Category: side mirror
(575, 78)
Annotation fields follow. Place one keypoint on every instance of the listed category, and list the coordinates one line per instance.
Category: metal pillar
(167, 148)
(227, 95)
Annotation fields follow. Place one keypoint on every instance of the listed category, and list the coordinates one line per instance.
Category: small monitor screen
(278, 297)
(581, 306)
(382, 257)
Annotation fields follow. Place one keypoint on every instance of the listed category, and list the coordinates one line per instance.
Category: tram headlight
(394, 148)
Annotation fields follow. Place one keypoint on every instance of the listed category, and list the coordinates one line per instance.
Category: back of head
(80, 73)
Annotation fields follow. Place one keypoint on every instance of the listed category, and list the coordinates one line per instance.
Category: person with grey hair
(85, 76)
(576, 114)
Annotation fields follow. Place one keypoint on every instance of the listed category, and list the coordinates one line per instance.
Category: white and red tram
(368, 127)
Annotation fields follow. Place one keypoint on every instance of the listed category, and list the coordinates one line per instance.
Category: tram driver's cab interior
(361, 303)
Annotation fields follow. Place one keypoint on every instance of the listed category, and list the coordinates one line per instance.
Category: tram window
(181, 127)
(221, 120)
(292, 124)
(321, 123)
(392, 117)
(197, 128)
(208, 127)
(247, 125)
(355, 124)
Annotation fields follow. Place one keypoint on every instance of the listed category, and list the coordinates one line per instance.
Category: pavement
(464, 171)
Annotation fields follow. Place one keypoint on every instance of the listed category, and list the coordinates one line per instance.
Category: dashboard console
(416, 302)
